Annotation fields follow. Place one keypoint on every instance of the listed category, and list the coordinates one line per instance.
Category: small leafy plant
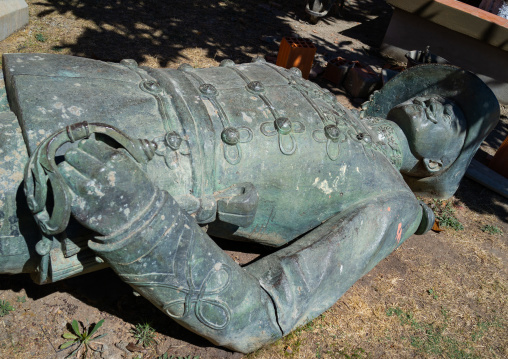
(433, 293)
(82, 338)
(40, 37)
(5, 308)
(490, 229)
(445, 214)
(144, 334)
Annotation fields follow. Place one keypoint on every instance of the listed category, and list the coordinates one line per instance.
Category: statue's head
(445, 113)
(435, 128)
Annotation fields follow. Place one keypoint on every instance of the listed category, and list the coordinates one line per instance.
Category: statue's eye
(448, 113)
(419, 101)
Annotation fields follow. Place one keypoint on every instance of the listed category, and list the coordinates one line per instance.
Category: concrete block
(466, 36)
(13, 16)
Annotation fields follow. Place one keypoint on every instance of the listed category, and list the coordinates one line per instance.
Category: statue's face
(435, 129)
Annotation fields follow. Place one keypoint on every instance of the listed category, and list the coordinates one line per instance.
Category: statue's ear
(433, 165)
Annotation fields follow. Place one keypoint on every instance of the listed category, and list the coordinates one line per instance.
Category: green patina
(143, 159)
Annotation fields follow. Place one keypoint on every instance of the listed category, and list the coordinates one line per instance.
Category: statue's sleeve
(168, 258)
(309, 276)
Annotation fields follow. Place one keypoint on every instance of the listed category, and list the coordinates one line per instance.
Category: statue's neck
(392, 143)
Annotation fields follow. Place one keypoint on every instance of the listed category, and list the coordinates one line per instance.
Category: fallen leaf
(436, 227)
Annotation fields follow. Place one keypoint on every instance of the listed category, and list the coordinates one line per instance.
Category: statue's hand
(108, 187)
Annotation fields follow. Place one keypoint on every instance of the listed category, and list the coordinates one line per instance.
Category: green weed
(445, 214)
(433, 293)
(21, 299)
(40, 37)
(5, 308)
(357, 353)
(430, 338)
(482, 327)
(490, 229)
(293, 339)
(82, 338)
(144, 334)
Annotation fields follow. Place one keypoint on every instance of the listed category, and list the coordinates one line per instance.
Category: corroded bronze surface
(124, 166)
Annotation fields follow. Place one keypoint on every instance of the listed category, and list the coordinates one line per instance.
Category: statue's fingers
(75, 180)
(84, 162)
(97, 149)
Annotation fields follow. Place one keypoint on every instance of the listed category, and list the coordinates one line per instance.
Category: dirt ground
(440, 295)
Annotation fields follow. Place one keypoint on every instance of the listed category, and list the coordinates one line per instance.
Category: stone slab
(460, 17)
(13, 16)
(415, 30)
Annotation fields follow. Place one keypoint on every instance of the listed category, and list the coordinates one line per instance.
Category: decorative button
(256, 86)
(173, 140)
(230, 135)
(227, 63)
(208, 89)
(130, 63)
(283, 125)
(295, 71)
(185, 67)
(151, 86)
(332, 132)
(259, 59)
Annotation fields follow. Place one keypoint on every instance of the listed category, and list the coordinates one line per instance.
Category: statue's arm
(309, 276)
(161, 251)
(166, 256)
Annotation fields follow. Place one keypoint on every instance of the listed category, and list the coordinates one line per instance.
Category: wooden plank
(488, 178)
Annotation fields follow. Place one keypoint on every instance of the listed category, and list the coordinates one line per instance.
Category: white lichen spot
(19, 60)
(246, 117)
(77, 84)
(341, 267)
(58, 105)
(42, 110)
(323, 186)
(112, 178)
(76, 111)
(217, 266)
(163, 217)
(127, 211)
(42, 132)
(81, 202)
(55, 98)
(94, 189)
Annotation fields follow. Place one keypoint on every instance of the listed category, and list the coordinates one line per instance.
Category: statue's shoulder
(64, 66)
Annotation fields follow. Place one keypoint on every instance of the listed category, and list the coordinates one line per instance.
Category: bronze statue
(135, 168)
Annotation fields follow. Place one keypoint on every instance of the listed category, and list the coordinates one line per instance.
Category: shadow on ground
(224, 29)
(135, 29)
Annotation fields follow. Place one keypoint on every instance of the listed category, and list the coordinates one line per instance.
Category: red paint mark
(399, 233)
(389, 209)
